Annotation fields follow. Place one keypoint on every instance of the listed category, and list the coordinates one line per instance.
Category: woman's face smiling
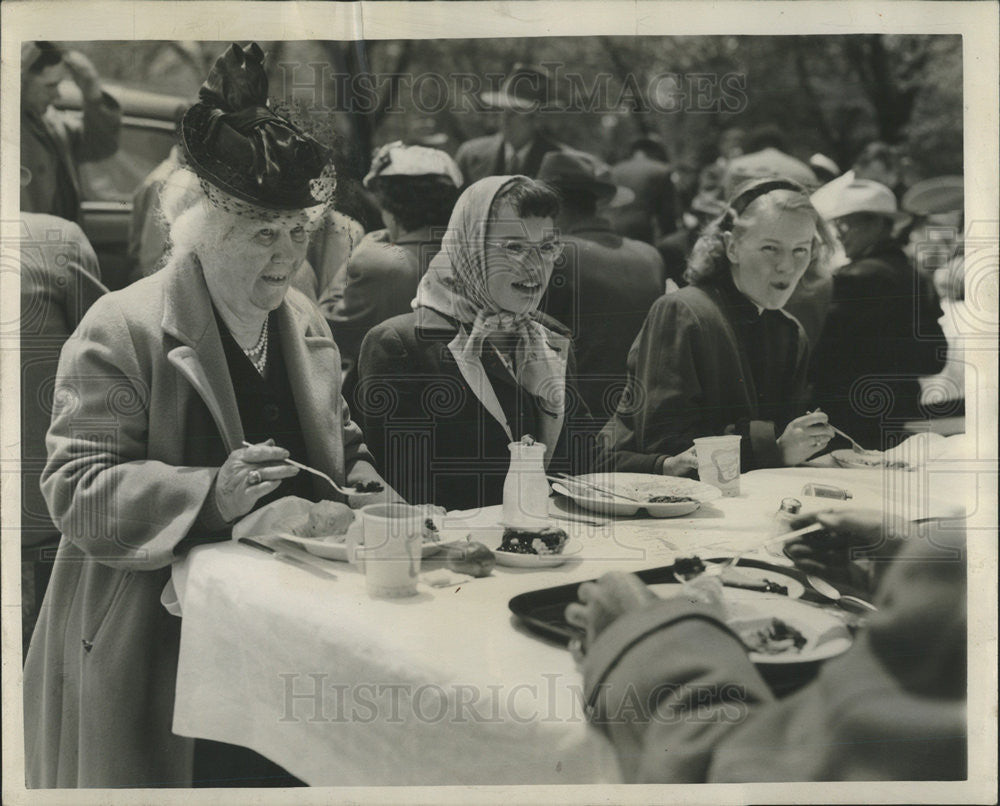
(516, 283)
(770, 257)
(253, 263)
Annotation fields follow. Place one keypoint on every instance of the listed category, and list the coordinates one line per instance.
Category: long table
(446, 687)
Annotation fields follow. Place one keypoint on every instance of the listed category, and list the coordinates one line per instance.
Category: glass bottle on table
(525, 490)
(788, 511)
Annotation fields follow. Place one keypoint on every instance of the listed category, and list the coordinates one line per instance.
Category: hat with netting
(250, 159)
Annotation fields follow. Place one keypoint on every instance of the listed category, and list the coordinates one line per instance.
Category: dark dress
(707, 363)
(433, 439)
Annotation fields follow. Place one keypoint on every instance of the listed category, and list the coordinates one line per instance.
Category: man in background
(522, 142)
(54, 143)
(652, 214)
(603, 285)
(881, 333)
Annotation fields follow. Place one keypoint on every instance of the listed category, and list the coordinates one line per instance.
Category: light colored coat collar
(311, 357)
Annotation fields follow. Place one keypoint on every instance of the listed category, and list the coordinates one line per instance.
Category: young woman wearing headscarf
(445, 389)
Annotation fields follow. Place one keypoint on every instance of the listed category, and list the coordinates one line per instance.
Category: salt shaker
(525, 490)
(787, 512)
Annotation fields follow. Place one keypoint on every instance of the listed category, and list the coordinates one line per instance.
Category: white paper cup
(719, 462)
(390, 556)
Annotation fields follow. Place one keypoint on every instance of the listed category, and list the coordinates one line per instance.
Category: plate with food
(869, 460)
(658, 496)
(532, 547)
(778, 630)
(321, 528)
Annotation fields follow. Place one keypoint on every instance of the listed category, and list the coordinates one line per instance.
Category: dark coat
(59, 282)
(485, 156)
(433, 439)
(126, 483)
(706, 364)
(653, 212)
(378, 281)
(881, 334)
(601, 289)
(53, 146)
(887, 710)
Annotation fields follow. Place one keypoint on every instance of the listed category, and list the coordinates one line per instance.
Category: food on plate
(326, 519)
(369, 487)
(469, 557)
(771, 638)
(547, 540)
(874, 459)
(671, 499)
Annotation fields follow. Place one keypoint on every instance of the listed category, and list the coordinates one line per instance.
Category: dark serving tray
(543, 611)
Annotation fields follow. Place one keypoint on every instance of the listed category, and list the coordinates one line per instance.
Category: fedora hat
(837, 199)
(940, 194)
(527, 88)
(580, 172)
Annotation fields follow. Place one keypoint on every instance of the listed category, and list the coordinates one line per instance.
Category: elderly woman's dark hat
(235, 142)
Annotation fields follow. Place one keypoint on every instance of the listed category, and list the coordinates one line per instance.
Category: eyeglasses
(547, 250)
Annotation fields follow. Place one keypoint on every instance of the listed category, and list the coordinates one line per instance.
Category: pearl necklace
(258, 353)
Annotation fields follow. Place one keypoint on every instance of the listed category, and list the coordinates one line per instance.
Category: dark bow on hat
(231, 136)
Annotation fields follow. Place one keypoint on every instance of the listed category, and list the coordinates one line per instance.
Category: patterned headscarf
(455, 285)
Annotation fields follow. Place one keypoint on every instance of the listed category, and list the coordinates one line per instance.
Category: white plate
(826, 634)
(514, 560)
(332, 550)
(641, 486)
(873, 461)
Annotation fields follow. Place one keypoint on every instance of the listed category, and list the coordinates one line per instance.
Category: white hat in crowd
(838, 198)
(399, 159)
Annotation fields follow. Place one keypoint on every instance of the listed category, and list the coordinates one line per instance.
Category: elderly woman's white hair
(189, 216)
(194, 222)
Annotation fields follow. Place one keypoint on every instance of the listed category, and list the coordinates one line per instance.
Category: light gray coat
(125, 487)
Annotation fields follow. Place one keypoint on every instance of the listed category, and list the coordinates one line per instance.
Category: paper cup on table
(719, 462)
(390, 556)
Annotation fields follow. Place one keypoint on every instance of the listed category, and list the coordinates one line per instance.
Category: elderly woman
(445, 389)
(156, 392)
(720, 356)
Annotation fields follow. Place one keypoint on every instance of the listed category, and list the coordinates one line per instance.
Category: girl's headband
(751, 194)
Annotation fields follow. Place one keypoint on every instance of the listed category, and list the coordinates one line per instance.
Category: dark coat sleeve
(96, 137)
(661, 409)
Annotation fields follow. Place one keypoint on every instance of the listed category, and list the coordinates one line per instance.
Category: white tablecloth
(444, 687)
